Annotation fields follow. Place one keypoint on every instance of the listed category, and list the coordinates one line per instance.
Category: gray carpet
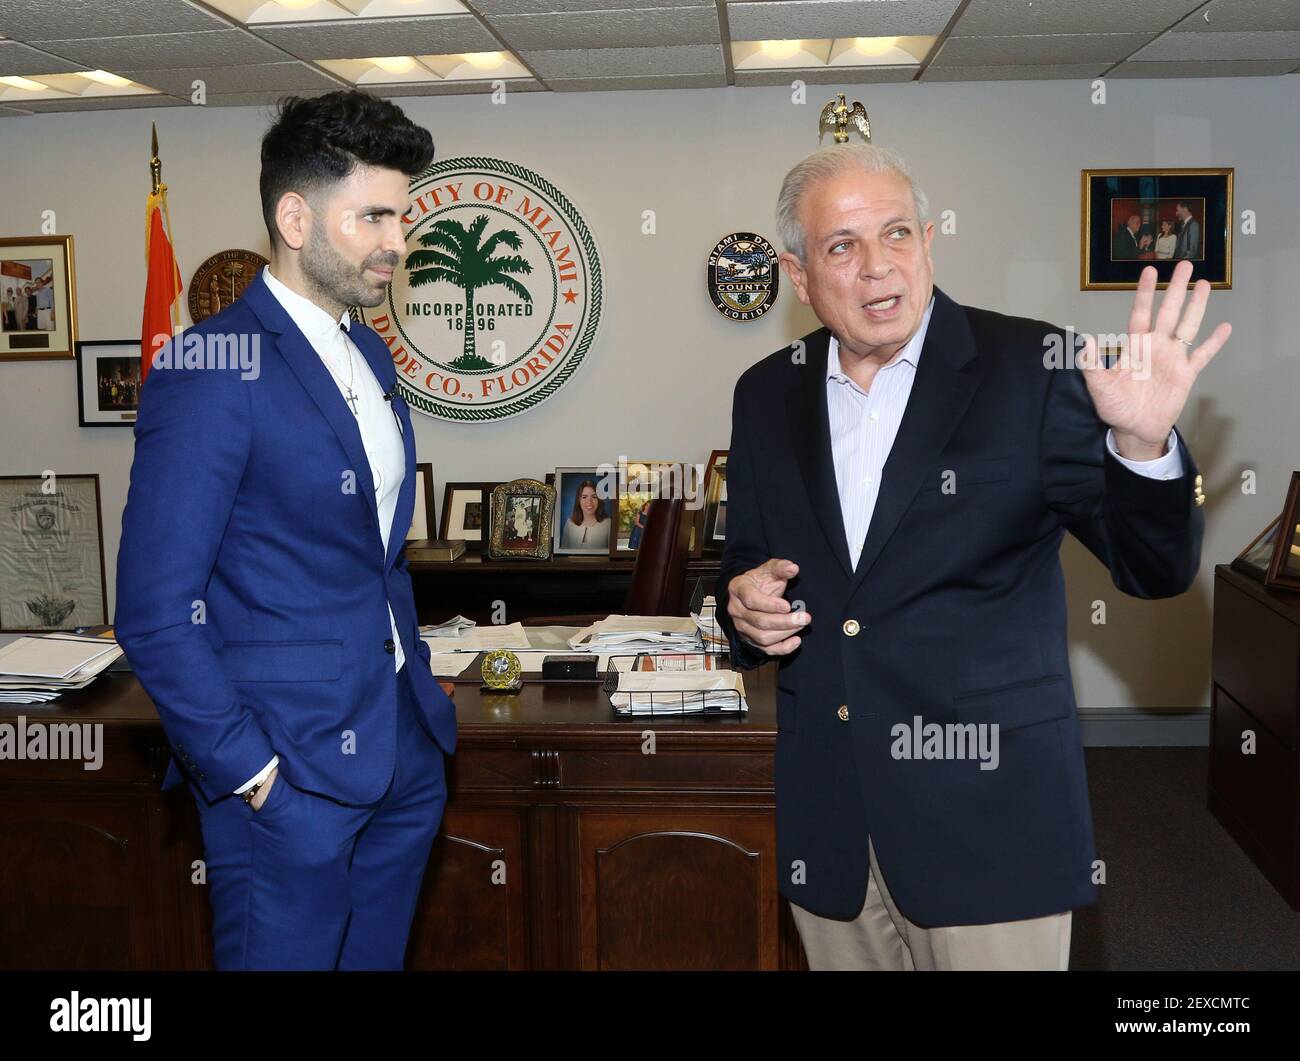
(1179, 892)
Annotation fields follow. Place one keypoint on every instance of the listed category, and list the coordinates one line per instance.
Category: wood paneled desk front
(566, 843)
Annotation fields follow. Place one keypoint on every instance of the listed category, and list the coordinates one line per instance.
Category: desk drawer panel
(1255, 660)
(667, 769)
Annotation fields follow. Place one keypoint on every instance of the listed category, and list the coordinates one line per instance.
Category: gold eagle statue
(837, 115)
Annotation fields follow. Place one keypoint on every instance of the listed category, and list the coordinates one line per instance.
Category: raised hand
(1142, 394)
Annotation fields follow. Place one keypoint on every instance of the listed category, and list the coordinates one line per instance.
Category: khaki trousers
(880, 937)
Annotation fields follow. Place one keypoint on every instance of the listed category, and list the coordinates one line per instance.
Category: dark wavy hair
(577, 516)
(320, 141)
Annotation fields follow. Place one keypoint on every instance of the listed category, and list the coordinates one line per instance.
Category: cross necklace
(351, 398)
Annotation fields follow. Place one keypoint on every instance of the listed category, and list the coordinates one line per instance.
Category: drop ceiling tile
(649, 27)
(840, 75)
(1243, 15)
(1281, 44)
(1235, 68)
(256, 99)
(1011, 17)
(1066, 48)
(264, 77)
(42, 20)
(492, 8)
(821, 19)
(18, 60)
(454, 88)
(626, 62)
(103, 103)
(1060, 72)
(167, 51)
(622, 84)
(10, 112)
(435, 35)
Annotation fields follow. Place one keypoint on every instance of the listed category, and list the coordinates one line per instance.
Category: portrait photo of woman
(584, 497)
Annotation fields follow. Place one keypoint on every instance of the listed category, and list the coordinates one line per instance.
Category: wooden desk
(562, 585)
(1256, 690)
(563, 846)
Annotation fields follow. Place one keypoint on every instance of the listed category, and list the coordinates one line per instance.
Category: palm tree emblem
(453, 253)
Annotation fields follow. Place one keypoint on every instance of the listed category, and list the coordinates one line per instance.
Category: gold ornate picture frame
(523, 511)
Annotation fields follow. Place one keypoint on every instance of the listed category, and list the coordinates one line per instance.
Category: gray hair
(831, 162)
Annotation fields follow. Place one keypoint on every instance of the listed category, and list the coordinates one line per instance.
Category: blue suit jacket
(960, 604)
(252, 584)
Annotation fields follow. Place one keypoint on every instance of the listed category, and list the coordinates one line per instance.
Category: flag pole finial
(155, 163)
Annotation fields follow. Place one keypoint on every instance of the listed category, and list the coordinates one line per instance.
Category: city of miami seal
(743, 276)
(499, 297)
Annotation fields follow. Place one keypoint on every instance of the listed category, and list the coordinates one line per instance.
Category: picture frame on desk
(578, 490)
(423, 516)
(714, 510)
(467, 514)
(108, 382)
(639, 483)
(522, 515)
(1284, 565)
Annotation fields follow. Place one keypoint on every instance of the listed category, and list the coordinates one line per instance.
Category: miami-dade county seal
(499, 298)
(743, 276)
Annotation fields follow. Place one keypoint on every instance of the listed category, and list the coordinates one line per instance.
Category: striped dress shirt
(864, 424)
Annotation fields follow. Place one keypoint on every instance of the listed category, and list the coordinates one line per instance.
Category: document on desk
(481, 639)
(55, 658)
(678, 692)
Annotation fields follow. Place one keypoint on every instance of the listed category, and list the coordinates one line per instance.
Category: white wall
(1005, 156)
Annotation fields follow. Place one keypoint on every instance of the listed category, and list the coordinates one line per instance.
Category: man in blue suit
(899, 483)
(261, 600)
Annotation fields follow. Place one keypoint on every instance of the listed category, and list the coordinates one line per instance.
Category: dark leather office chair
(658, 573)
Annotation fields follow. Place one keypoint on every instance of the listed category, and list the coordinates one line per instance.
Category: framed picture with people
(1132, 218)
(38, 299)
(108, 382)
(522, 510)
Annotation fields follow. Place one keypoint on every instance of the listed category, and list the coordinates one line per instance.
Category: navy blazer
(252, 585)
(959, 602)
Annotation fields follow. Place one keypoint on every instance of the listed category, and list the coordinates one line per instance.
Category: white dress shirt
(380, 435)
(864, 424)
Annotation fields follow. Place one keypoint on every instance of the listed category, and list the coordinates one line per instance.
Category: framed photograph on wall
(52, 541)
(522, 511)
(1132, 218)
(108, 382)
(423, 522)
(584, 510)
(38, 299)
(467, 514)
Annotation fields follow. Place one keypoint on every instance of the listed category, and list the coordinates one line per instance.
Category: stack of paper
(35, 670)
(451, 628)
(678, 693)
(638, 633)
(707, 624)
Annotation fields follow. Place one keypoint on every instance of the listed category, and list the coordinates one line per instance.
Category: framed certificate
(51, 553)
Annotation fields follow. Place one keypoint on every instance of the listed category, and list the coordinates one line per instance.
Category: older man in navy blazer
(261, 599)
(899, 484)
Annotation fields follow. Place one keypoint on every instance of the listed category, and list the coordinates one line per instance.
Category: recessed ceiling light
(485, 60)
(296, 5)
(23, 83)
(781, 49)
(874, 45)
(393, 64)
(105, 78)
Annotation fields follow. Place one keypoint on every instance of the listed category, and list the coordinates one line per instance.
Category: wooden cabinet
(1254, 785)
(572, 840)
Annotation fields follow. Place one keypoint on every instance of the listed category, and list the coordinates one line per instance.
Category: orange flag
(163, 278)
